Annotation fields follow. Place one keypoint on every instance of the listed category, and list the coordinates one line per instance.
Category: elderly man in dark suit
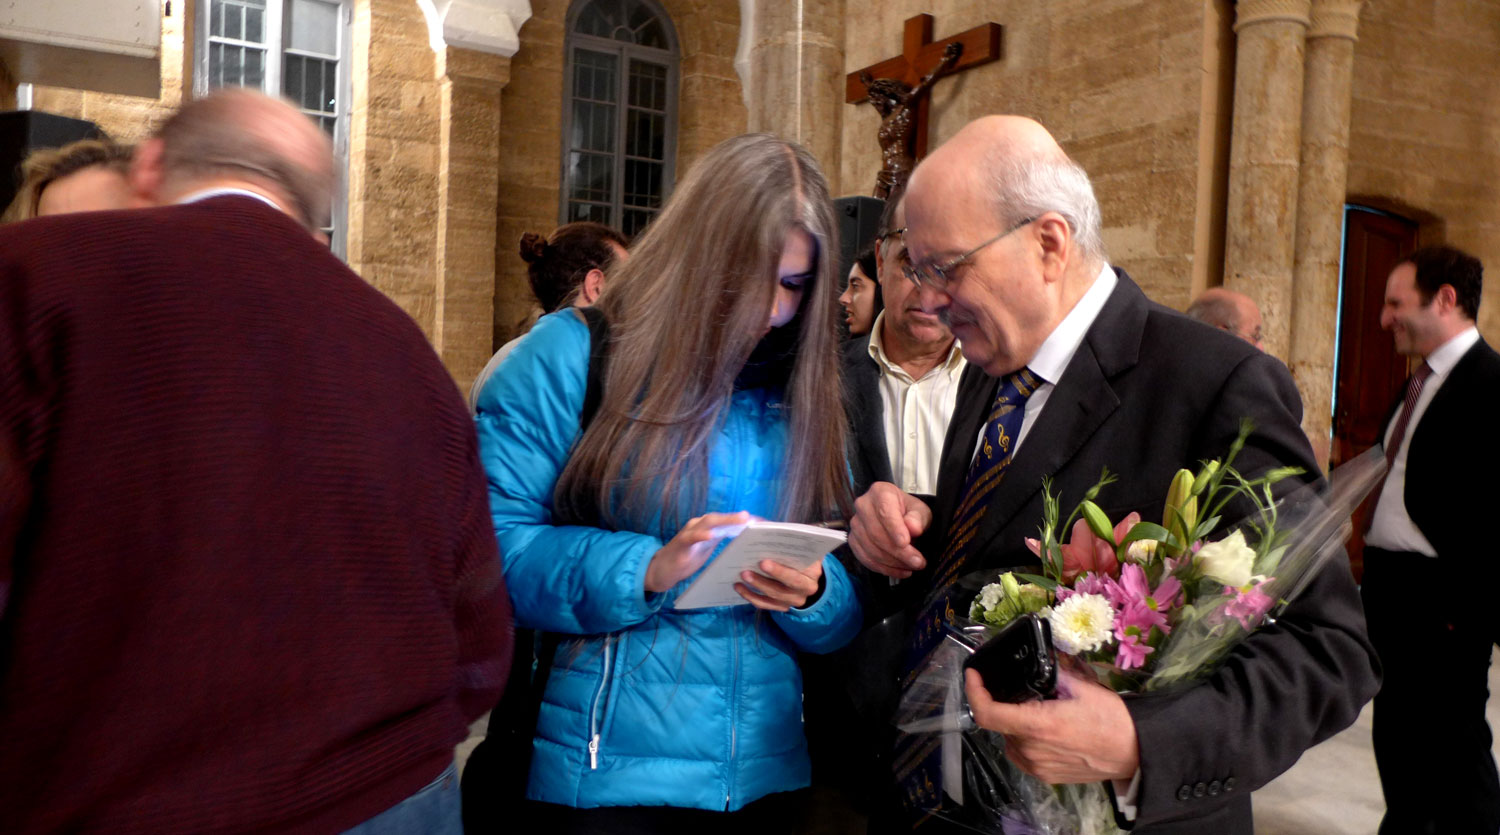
(1004, 239)
(248, 580)
(1432, 743)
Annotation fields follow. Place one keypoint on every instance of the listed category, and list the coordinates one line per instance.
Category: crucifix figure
(899, 93)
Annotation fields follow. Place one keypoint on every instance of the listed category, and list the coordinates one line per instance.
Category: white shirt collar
(1057, 351)
(1449, 353)
(221, 192)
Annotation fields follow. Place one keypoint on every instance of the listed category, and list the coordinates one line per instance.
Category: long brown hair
(685, 312)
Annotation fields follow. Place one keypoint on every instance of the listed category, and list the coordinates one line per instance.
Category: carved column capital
(1249, 12)
(1335, 19)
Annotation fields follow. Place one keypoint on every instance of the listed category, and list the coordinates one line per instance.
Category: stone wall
(1425, 125)
(710, 110)
(1133, 91)
(393, 156)
(132, 118)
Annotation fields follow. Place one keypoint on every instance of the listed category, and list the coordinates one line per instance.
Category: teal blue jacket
(645, 705)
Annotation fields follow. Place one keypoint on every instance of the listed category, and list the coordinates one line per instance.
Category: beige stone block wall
(1120, 83)
(1425, 125)
(393, 157)
(132, 118)
(710, 109)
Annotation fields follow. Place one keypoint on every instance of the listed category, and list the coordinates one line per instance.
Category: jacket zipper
(734, 676)
(594, 711)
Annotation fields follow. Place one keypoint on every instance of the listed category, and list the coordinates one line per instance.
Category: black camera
(1019, 664)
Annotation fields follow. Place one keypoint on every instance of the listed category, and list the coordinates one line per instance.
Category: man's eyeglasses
(937, 276)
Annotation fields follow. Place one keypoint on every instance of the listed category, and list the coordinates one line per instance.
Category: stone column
(1263, 159)
(469, 84)
(796, 69)
(1320, 211)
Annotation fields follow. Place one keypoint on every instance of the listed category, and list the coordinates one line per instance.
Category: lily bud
(1201, 482)
(1180, 516)
(1098, 522)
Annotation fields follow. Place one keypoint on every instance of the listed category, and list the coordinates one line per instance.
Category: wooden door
(1369, 371)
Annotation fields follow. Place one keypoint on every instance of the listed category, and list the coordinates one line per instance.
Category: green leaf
(1151, 530)
(1045, 582)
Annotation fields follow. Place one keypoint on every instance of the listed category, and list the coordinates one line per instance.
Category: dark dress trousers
(1432, 743)
(1148, 392)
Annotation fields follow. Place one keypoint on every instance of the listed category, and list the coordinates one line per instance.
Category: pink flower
(1133, 625)
(1092, 583)
(1249, 605)
(1086, 552)
(1134, 588)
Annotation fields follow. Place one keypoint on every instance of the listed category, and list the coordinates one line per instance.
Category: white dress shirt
(221, 192)
(1057, 351)
(916, 413)
(1392, 528)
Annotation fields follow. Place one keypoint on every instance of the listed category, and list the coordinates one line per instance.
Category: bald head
(237, 137)
(1229, 311)
(1012, 167)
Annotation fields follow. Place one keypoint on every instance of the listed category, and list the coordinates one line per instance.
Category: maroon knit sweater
(248, 580)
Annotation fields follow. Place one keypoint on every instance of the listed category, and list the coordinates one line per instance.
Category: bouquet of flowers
(1142, 606)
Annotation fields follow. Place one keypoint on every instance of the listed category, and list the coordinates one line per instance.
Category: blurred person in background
(248, 581)
(1229, 311)
(565, 271)
(85, 176)
(861, 297)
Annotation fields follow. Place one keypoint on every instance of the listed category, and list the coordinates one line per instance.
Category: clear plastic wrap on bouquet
(1283, 546)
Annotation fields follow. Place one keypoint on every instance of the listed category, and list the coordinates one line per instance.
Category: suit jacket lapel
(1079, 404)
(976, 391)
(871, 431)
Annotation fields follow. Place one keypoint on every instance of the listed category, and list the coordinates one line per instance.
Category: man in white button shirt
(1432, 743)
(902, 378)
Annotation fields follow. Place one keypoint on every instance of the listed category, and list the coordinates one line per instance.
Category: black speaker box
(859, 220)
(24, 131)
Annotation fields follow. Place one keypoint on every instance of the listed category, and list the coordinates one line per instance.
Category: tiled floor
(1333, 789)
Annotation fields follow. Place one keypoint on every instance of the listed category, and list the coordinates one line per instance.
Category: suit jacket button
(1229, 784)
(1185, 792)
(1214, 788)
(1200, 790)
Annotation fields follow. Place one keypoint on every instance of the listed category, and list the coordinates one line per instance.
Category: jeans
(433, 810)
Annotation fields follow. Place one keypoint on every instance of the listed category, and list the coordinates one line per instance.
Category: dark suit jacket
(1453, 448)
(868, 459)
(1148, 392)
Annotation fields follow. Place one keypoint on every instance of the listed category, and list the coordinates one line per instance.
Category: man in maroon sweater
(248, 580)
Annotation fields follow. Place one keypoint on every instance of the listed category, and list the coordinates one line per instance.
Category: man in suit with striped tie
(1071, 369)
(1432, 744)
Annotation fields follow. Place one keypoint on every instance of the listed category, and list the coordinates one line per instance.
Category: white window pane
(315, 26)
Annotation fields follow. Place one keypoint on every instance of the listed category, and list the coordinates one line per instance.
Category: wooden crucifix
(898, 88)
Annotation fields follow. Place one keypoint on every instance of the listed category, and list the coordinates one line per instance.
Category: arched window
(619, 113)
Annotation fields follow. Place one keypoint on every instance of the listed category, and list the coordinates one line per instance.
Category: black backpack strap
(598, 358)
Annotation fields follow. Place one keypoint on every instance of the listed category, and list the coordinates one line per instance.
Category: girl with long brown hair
(720, 401)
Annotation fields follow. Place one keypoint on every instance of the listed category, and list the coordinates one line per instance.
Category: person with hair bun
(719, 402)
(565, 271)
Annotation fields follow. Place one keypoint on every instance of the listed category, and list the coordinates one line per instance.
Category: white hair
(1028, 188)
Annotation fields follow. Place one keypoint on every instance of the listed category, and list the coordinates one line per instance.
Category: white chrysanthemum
(990, 596)
(1082, 623)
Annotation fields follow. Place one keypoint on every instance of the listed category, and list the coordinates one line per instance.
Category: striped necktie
(917, 762)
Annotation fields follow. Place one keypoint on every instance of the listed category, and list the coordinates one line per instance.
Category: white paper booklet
(788, 543)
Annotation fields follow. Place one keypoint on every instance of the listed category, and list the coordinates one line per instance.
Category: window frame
(276, 25)
(671, 57)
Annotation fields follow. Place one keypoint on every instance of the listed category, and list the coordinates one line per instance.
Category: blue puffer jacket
(648, 705)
